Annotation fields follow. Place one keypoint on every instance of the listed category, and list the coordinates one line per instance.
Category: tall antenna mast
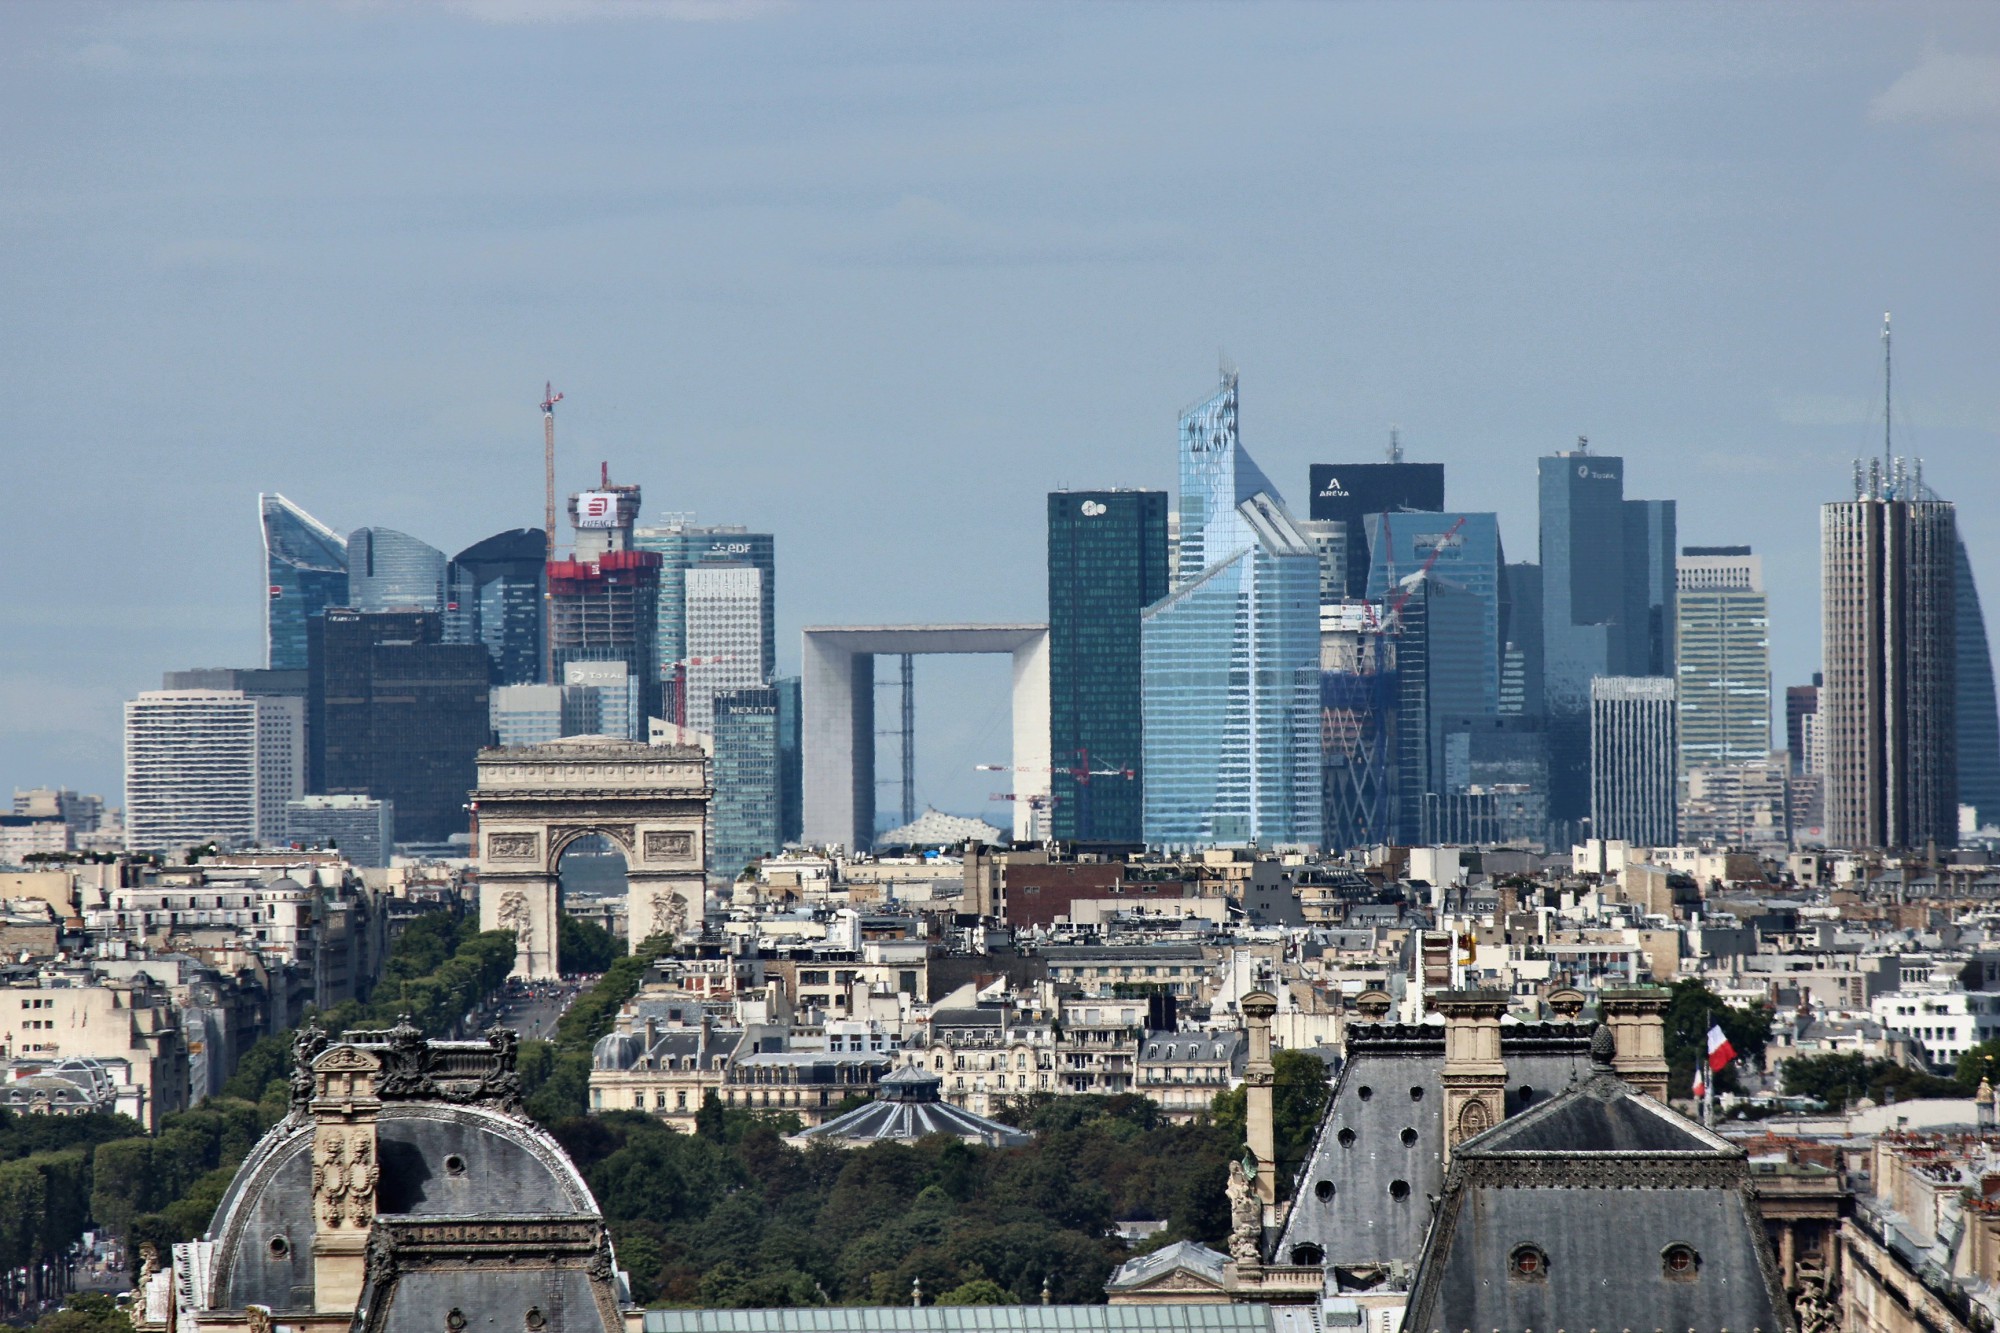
(549, 400)
(1887, 382)
(1395, 445)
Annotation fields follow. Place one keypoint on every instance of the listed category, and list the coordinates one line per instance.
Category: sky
(878, 277)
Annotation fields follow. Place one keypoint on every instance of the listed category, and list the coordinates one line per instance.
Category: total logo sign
(1585, 471)
(1094, 508)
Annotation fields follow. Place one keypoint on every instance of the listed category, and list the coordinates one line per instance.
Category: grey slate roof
(1604, 1211)
(907, 1108)
(1189, 1255)
(1384, 1126)
(1163, 1318)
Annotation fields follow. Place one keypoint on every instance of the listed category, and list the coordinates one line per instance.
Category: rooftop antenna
(1224, 366)
(1887, 382)
(1583, 444)
(1395, 445)
(549, 400)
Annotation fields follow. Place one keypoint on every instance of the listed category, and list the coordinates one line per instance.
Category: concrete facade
(839, 717)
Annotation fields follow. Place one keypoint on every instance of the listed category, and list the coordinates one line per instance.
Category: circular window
(1416, 1094)
(1527, 1095)
(1324, 1189)
(1399, 1190)
(536, 1320)
(1680, 1262)
(454, 1165)
(280, 1247)
(1346, 1137)
(1409, 1137)
(1366, 1092)
(1528, 1263)
(455, 1321)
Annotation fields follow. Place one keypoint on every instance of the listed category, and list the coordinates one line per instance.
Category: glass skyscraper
(305, 568)
(1607, 605)
(1229, 659)
(1723, 650)
(1346, 493)
(749, 779)
(493, 595)
(680, 544)
(393, 571)
(1978, 714)
(1107, 564)
(1462, 551)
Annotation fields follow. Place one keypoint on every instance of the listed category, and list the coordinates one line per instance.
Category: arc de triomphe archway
(533, 801)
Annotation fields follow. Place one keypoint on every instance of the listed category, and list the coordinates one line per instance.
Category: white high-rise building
(725, 635)
(1722, 647)
(210, 764)
(617, 695)
(1634, 760)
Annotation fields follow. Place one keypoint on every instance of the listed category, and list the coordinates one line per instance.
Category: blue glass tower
(1230, 692)
(1463, 552)
(1607, 604)
(305, 570)
(494, 595)
(389, 570)
(1978, 715)
(749, 779)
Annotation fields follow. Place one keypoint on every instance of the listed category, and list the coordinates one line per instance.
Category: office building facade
(494, 591)
(725, 633)
(791, 760)
(1607, 576)
(748, 806)
(1461, 551)
(1634, 760)
(1978, 711)
(210, 764)
(1888, 710)
(1230, 691)
(682, 544)
(361, 828)
(1358, 698)
(1722, 650)
(538, 714)
(393, 571)
(1346, 493)
(305, 570)
(1107, 562)
(615, 694)
(398, 714)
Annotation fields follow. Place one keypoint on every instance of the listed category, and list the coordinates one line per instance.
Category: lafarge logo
(1093, 508)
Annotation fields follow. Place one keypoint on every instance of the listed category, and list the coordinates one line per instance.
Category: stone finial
(1603, 1047)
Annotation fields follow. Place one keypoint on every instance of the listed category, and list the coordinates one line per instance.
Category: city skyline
(1752, 372)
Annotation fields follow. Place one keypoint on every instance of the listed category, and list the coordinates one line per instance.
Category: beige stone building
(133, 1020)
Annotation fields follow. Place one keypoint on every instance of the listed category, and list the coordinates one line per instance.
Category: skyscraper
(1978, 711)
(210, 764)
(1521, 643)
(604, 601)
(791, 761)
(681, 544)
(362, 828)
(749, 778)
(1888, 631)
(1230, 658)
(538, 714)
(1634, 760)
(1723, 657)
(398, 714)
(1346, 493)
(1607, 603)
(1463, 551)
(725, 635)
(493, 595)
(305, 568)
(1358, 700)
(393, 571)
(1107, 558)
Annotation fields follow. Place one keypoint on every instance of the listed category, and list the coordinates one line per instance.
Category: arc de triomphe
(534, 801)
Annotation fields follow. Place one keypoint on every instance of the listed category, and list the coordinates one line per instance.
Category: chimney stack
(1258, 1075)
(1474, 1077)
(1638, 1021)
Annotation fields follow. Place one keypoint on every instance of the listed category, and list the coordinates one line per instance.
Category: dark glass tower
(1349, 492)
(749, 778)
(305, 570)
(494, 597)
(396, 713)
(1607, 604)
(791, 761)
(1978, 714)
(1107, 563)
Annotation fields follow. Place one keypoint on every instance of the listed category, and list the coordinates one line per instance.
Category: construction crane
(1407, 588)
(549, 400)
(1081, 773)
(677, 672)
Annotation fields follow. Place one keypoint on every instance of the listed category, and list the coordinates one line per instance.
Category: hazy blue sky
(877, 277)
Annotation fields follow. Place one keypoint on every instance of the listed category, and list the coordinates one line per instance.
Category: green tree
(1692, 1012)
(586, 946)
(979, 1291)
(86, 1312)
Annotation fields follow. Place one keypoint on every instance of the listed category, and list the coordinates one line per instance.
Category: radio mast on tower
(549, 400)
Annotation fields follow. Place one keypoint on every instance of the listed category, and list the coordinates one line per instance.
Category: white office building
(725, 635)
(616, 691)
(210, 764)
(361, 828)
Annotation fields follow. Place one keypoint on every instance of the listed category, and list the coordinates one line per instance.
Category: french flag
(1700, 1082)
(1720, 1052)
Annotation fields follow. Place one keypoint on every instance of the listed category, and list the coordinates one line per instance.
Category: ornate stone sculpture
(307, 1046)
(1246, 1217)
(669, 913)
(1817, 1309)
(406, 1065)
(330, 1175)
(514, 915)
